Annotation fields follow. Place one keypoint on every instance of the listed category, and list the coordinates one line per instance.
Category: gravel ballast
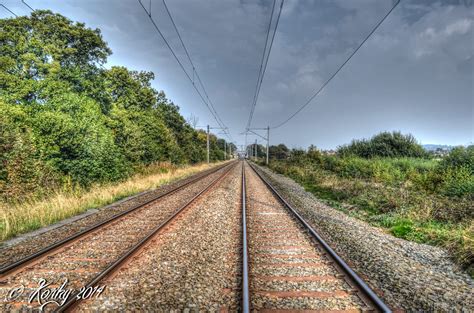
(287, 268)
(87, 256)
(407, 275)
(192, 266)
(24, 245)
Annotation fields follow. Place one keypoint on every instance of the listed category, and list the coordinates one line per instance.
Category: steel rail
(367, 292)
(72, 301)
(245, 265)
(15, 266)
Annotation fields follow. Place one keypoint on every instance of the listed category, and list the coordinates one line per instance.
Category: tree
(193, 120)
(71, 134)
(45, 54)
(279, 152)
(130, 90)
(65, 118)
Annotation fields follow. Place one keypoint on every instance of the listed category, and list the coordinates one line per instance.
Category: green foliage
(458, 182)
(279, 152)
(72, 137)
(460, 157)
(385, 144)
(45, 51)
(66, 121)
(418, 199)
(22, 170)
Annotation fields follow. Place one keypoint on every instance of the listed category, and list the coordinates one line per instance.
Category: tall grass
(32, 213)
(414, 199)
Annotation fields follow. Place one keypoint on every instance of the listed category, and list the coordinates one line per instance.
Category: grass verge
(403, 211)
(31, 214)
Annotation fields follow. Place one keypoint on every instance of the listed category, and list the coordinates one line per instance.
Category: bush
(458, 182)
(355, 168)
(385, 144)
(460, 157)
(22, 170)
(71, 133)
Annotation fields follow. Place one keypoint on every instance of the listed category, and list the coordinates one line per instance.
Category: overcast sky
(415, 74)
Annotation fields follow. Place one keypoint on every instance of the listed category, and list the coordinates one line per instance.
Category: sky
(415, 74)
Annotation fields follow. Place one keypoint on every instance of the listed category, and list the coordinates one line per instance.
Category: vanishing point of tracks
(272, 261)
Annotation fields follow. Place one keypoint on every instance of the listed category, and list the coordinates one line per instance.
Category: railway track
(286, 264)
(88, 257)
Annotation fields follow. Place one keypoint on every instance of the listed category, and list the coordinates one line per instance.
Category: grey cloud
(415, 74)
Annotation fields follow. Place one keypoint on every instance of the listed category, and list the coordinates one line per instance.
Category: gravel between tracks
(10, 253)
(102, 246)
(268, 217)
(192, 266)
(410, 276)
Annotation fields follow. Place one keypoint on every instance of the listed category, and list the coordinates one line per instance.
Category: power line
(8, 9)
(179, 62)
(339, 69)
(261, 65)
(24, 2)
(191, 62)
(263, 68)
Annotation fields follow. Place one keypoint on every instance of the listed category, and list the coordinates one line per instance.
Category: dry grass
(17, 218)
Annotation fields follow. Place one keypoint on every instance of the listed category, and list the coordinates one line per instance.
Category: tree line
(392, 153)
(65, 119)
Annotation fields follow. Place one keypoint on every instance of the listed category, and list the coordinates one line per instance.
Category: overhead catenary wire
(176, 57)
(25, 3)
(338, 70)
(264, 60)
(261, 65)
(214, 114)
(1, 4)
(195, 72)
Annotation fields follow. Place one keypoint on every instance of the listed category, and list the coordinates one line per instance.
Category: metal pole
(207, 144)
(255, 152)
(225, 150)
(268, 141)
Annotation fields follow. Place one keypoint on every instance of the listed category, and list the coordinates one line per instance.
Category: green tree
(45, 54)
(130, 90)
(72, 136)
(181, 130)
(279, 152)
(67, 118)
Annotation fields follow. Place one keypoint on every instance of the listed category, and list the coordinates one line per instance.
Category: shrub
(71, 133)
(21, 169)
(458, 182)
(460, 157)
(385, 144)
(354, 167)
